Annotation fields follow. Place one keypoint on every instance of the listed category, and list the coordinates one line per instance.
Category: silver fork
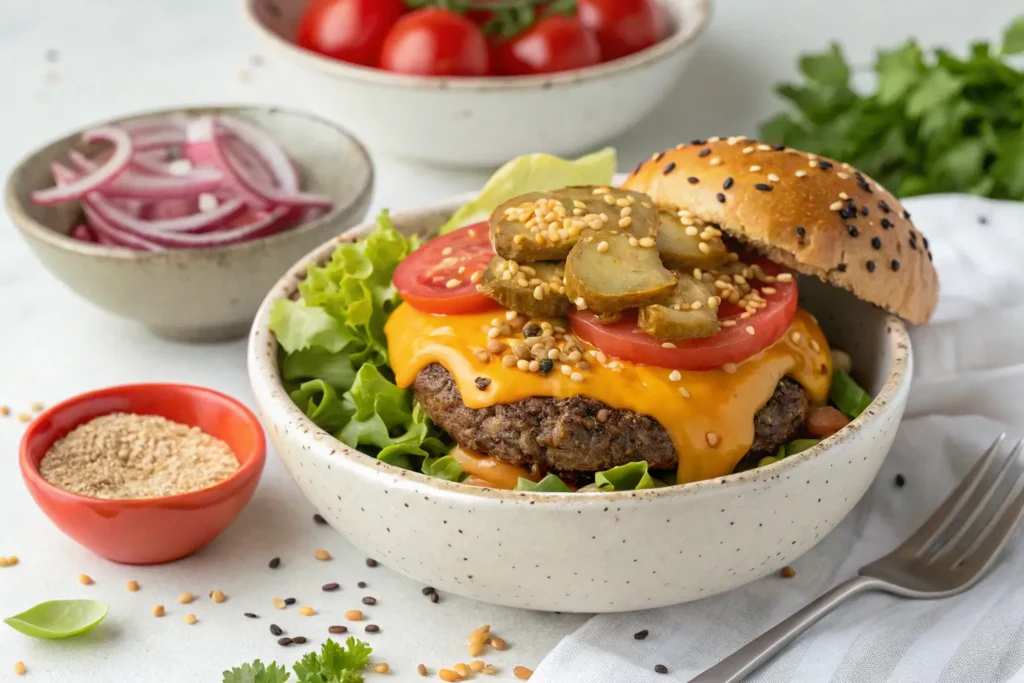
(949, 553)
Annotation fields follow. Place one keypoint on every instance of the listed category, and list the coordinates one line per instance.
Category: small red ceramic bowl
(150, 530)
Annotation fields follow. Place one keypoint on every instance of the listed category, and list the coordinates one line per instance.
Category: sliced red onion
(196, 223)
(117, 162)
(249, 183)
(83, 232)
(265, 146)
(158, 138)
(136, 186)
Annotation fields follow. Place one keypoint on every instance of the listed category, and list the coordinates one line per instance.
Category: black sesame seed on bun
(818, 216)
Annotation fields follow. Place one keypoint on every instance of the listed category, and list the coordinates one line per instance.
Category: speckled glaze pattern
(197, 294)
(474, 122)
(596, 552)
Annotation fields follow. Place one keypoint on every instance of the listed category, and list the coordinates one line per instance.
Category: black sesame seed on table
(876, 243)
(720, 197)
(852, 229)
(337, 630)
(369, 600)
(704, 152)
(727, 184)
(319, 519)
(983, 220)
(870, 266)
(370, 562)
(546, 366)
(693, 180)
(275, 630)
(284, 642)
(301, 640)
(434, 597)
(660, 669)
(328, 587)
(290, 601)
(361, 584)
(640, 635)
(251, 615)
(427, 590)
(895, 265)
(900, 481)
(372, 628)
(763, 187)
(669, 168)
(275, 563)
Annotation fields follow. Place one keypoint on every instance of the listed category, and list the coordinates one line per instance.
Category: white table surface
(121, 55)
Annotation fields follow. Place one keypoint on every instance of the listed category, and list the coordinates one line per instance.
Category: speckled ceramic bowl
(479, 121)
(594, 552)
(196, 294)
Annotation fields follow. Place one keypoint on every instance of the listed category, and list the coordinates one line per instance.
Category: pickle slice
(544, 226)
(535, 289)
(689, 246)
(676, 318)
(611, 272)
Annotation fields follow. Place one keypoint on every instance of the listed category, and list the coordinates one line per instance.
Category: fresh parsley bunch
(334, 664)
(934, 123)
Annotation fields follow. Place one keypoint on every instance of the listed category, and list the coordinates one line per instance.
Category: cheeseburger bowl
(645, 474)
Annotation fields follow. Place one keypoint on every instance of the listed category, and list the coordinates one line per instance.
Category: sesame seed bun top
(817, 216)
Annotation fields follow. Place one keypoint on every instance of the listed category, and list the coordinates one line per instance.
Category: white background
(117, 56)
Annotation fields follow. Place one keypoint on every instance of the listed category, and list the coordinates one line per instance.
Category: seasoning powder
(122, 456)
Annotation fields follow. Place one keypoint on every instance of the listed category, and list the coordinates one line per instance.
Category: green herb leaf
(847, 395)
(629, 477)
(59, 618)
(321, 404)
(828, 68)
(298, 326)
(317, 363)
(937, 88)
(256, 673)
(549, 484)
(1013, 38)
(445, 467)
(334, 663)
(897, 71)
(799, 446)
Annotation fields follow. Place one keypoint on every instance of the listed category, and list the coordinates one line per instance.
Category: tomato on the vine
(622, 26)
(436, 42)
(555, 43)
(349, 30)
(438, 277)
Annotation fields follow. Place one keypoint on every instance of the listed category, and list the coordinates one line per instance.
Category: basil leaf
(59, 618)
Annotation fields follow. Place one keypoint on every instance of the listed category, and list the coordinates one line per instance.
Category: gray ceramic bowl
(202, 294)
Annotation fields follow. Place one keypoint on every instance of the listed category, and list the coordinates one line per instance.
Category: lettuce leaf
(549, 484)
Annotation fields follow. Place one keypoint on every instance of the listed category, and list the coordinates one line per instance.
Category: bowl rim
(16, 206)
(245, 472)
(681, 38)
(264, 376)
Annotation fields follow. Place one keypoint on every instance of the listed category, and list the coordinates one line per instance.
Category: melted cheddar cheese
(711, 429)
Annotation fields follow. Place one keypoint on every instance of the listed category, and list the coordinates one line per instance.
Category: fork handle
(748, 658)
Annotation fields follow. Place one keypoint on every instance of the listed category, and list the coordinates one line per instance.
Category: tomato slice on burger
(437, 277)
(733, 344)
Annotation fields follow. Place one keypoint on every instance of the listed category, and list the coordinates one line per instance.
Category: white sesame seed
(493, 333)
(566, 370)
(843, 195)
(675, 376)
(844, 176)
(538, 293)
(692, 231)
(647, 242)
(668, 345)
(835, 206)
(609, 200)
(625, 222)
(784, 277)
(715, 161)
(773, 178)
(730, 368)
(815, 346)
(796, 337)
(523, 364)
(748, 150)
(683, 392)
(534, 366)
(634, 242)
(755, 169)
(704, 247)
(712, 439)
(764, 148)
(453, 283)
(576, 377)
(751, 331)
(508, 361)
(801, 173)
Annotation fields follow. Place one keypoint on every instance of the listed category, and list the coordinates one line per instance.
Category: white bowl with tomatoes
(600, 550)
(477, 88)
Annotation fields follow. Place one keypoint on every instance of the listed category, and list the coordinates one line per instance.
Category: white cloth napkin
(969, 367)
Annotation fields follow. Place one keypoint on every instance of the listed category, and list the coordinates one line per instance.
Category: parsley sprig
(933, 123)
(334, 664)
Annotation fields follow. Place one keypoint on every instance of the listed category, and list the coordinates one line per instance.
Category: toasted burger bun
(817, 216)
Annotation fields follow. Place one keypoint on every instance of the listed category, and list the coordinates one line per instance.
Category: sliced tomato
(733, 344)
(436, 278)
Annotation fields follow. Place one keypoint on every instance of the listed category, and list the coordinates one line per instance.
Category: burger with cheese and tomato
(615, 338)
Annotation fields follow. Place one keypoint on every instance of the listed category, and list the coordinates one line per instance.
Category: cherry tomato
(349, 30)
(622, 26)
(734, 344)
(436, 278)
(555, 43)
(436, 42)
